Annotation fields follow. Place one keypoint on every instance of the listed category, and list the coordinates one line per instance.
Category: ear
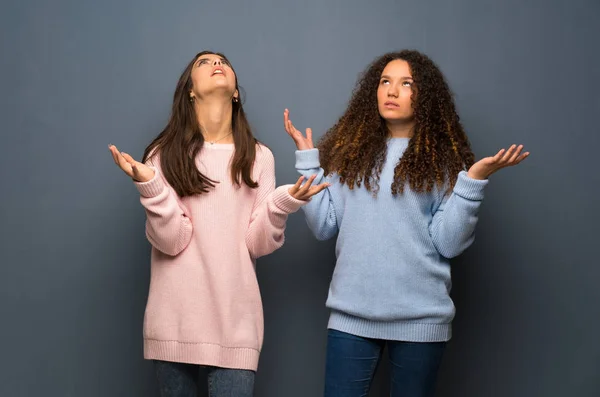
(236, 95)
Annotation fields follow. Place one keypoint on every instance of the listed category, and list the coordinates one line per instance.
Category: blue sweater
(392, 276)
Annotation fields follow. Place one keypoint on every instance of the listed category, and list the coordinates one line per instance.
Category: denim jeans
(181, 380)
(352, 360)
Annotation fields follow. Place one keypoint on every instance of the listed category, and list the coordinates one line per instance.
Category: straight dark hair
(181, 140)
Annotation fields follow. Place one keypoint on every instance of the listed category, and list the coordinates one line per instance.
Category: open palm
(306, 191)
(302, 143)
(504, 158)
(136, 170)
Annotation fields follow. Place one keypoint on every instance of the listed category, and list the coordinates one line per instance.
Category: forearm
(319, 211)
(168, 228)
(266, 232)
(453, 225)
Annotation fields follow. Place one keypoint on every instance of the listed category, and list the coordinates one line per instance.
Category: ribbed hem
(202, 354)
(393, 330)
(284, 200)
(468, 188)
(307, 159)
(153, 187)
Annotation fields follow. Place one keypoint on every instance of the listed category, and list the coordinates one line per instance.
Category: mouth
(218, 71)
(390, 104)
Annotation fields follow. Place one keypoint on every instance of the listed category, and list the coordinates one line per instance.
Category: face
(212, 74)
(394, 93)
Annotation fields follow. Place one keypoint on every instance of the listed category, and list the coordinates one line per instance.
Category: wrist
(476, 175)
(143, 177)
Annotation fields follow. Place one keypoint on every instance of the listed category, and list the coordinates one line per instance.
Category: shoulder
(153, 158)
(264, 156)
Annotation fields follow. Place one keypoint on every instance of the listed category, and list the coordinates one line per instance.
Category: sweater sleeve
(266, 230)
(168, 227)
(453, 226)
(319, 211)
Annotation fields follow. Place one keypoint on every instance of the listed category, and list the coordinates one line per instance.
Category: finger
(135, 172)
(112, 149)
(516, 154)
(304, 190)
(286, 120)
(309, 134)
(499, 155)
(121, 162)
(508, 154)
(293, 131)
(522, 157)
(289, 126)
(294, 189)
(314, 190)
(128, 158)
(115, 153)
(318, 189)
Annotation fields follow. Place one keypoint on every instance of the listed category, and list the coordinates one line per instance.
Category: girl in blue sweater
(403, 198)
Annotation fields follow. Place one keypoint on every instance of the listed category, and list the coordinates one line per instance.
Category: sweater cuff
(307, 159)
(153, 187)
(469, 188)
(284, 200)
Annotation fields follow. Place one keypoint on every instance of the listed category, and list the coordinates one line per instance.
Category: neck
(214, 117)
(402, 129)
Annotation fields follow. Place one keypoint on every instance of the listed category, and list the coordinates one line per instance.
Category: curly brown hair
(355, 147)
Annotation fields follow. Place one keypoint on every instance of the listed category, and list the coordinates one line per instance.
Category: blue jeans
(352, 360)
(181, 380)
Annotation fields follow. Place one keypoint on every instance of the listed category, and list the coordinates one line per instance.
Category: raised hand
(504, 158)
(136, 170)
(302, 143)
(306, 191)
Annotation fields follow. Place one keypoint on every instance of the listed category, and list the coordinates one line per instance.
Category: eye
(224, 62)
(407, 84)
(385, 81)
(202, 62)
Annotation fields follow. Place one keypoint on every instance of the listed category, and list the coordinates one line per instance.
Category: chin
(224, 84)
(395, 119)
(221, 88)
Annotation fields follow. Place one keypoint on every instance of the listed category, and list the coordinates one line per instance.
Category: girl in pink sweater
(208, 188)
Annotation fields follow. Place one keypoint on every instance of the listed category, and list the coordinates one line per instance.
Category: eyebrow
(208, 59)
(385, 76)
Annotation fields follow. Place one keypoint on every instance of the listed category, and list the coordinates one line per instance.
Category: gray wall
(78, 75)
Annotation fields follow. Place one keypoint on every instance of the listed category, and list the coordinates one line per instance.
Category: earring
(235, 100)
(191, 99)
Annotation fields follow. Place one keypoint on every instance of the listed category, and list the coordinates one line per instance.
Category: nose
(393, 91)
(217, 62)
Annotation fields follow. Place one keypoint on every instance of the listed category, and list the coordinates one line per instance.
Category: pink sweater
(204, 304)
